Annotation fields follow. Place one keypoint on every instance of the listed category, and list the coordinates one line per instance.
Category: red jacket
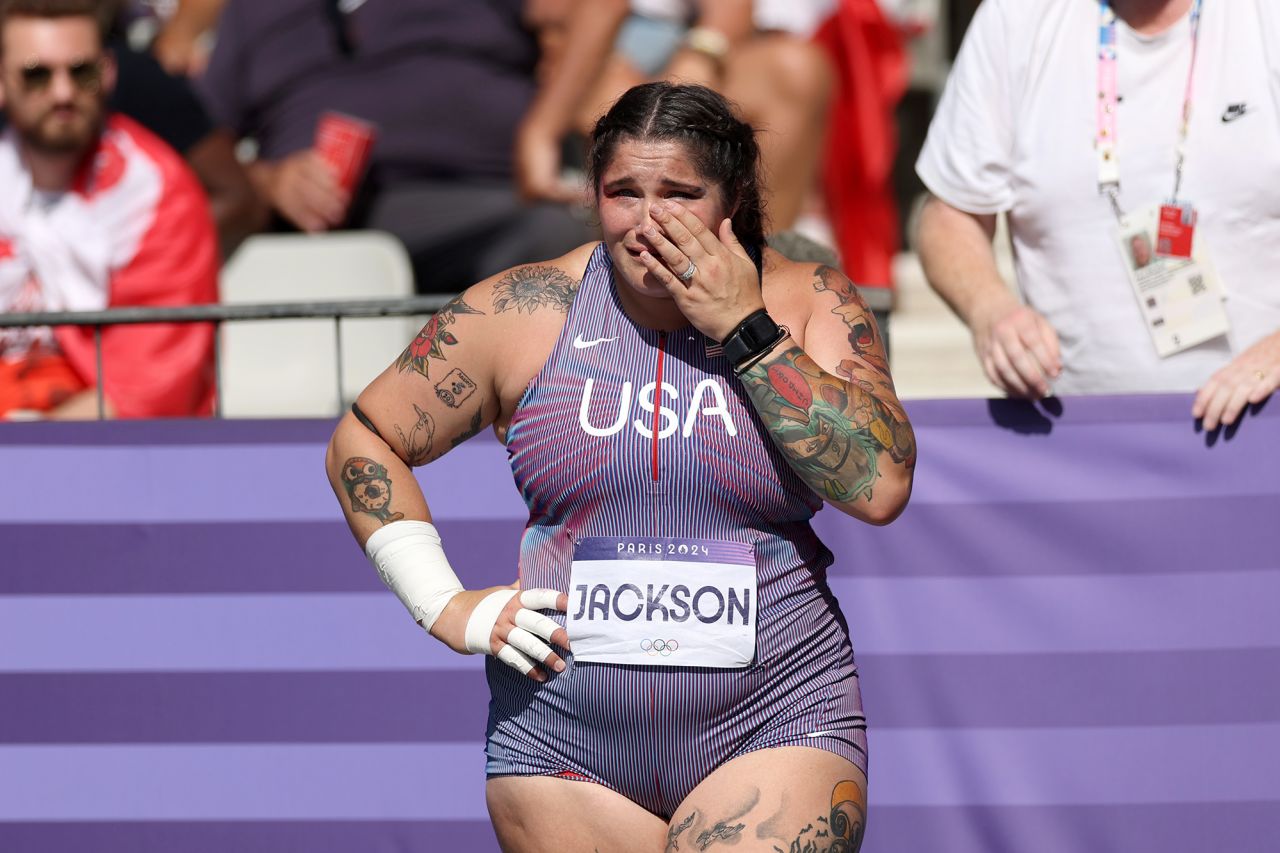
(163, 252)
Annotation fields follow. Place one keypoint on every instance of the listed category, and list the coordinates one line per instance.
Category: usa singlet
(631, 435)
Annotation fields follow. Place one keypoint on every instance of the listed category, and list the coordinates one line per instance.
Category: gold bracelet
(712, 44)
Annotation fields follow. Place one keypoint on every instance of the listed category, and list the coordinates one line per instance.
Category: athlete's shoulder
(795, 290)
(535, 287)
(780, 269)
(793, 280)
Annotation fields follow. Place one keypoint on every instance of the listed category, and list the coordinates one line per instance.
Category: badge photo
(1181, 299)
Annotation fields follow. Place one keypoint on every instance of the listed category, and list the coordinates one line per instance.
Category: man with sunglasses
(95, 212)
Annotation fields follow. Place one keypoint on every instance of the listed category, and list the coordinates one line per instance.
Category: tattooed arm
(827, 399)
(462, 372)
(430, 399)
(823, 391)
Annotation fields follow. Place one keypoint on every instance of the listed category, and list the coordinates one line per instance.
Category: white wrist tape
(523, 647)
(483, 619)
(411, 562)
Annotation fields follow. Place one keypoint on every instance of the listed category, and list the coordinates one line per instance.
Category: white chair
(288, 368)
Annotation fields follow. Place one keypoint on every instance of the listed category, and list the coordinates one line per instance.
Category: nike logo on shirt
(1233, 112)
(579, 343)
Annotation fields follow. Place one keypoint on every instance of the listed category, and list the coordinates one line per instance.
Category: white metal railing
(219, 314)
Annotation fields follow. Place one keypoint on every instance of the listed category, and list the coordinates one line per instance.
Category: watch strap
(755, 334)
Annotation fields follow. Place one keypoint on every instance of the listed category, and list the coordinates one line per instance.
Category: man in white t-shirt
(1024, 128)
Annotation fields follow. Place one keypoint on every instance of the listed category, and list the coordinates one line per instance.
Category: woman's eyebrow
(627, 181)
(618, 182)
(681, 185)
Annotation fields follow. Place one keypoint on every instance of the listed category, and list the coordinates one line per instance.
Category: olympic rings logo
(659, 647)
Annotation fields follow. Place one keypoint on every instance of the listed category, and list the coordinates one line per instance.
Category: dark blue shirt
(444, 81)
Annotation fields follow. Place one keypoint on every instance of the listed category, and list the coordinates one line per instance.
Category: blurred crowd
(457, 127)
(148, 138)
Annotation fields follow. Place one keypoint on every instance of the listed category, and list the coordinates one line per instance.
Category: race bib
(663, 602)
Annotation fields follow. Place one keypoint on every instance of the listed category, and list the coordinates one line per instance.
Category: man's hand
(304, 189)
(184, 42)
(1250, 378)
(1017, 347)
(183, 52)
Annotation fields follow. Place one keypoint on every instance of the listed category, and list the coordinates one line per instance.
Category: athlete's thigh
(544, 814)
(782, 799)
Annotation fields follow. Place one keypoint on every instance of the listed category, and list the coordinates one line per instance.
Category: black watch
(751, 337)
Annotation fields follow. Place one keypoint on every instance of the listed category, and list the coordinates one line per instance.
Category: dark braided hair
(721, 146)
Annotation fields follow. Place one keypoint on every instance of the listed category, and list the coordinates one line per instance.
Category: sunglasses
(86, 75)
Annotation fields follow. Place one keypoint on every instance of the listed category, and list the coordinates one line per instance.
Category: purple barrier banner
(1068, 642)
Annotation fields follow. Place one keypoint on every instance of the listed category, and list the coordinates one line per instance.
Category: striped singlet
(584, 455)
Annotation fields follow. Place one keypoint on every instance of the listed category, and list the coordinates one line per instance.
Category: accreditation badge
(663, 602)
(1181, 298)
(1176, 231)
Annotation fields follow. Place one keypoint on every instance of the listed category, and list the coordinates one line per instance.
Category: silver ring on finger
(689, 271)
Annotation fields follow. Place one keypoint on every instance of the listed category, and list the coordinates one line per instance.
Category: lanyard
(1107, 139)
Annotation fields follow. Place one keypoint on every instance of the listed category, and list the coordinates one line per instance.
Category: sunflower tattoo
(528, 288)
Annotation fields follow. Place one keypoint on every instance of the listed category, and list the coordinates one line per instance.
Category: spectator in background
(1029, 126)
(96, 212)
(169, 107)
(444, 85)
(741, 48)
